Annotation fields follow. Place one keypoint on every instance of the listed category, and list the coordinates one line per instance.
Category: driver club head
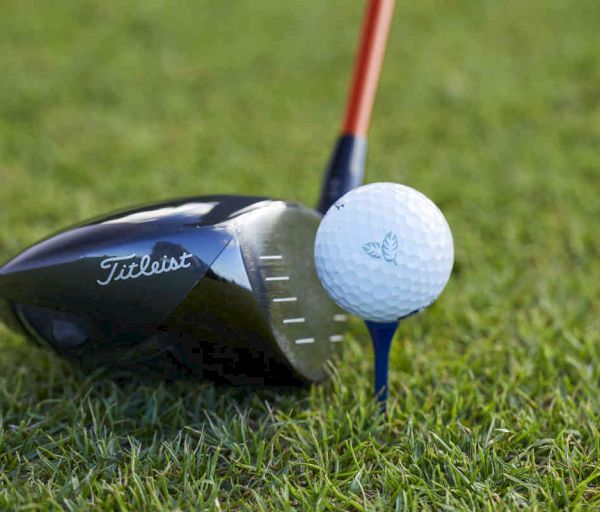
(220, 287)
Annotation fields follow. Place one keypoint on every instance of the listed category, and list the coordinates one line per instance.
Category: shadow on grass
(39, 388)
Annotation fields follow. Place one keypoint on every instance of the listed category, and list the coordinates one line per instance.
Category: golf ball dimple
(384, 251)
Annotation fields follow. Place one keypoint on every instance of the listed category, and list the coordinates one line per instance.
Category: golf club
(220, 287)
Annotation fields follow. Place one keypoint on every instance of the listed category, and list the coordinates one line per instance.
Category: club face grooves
(277, 245)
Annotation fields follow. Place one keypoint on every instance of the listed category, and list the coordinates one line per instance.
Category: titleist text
(121, 268)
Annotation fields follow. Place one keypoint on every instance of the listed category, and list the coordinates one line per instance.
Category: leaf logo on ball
(385, 250)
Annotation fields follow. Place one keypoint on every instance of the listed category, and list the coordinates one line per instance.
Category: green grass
(490, 108)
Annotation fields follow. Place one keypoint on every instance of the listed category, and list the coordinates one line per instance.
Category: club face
(223, 287)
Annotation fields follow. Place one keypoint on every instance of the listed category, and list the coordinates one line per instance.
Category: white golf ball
(384, 251)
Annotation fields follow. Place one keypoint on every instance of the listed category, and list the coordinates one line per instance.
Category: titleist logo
(121, 268)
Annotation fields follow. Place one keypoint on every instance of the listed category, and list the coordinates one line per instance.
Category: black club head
(223, 287)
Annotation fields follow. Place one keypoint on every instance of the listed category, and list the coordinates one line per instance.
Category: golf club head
(220, 287)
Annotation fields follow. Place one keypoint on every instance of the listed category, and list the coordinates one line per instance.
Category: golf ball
(384, 252)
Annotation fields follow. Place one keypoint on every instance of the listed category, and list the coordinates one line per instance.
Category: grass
(490, 108)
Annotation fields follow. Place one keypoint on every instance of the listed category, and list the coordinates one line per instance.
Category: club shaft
(346, 167)
(369, 59)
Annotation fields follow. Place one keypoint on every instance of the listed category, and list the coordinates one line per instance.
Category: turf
(490, 108)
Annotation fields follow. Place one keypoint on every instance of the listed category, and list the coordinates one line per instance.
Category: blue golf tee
(382, 335)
